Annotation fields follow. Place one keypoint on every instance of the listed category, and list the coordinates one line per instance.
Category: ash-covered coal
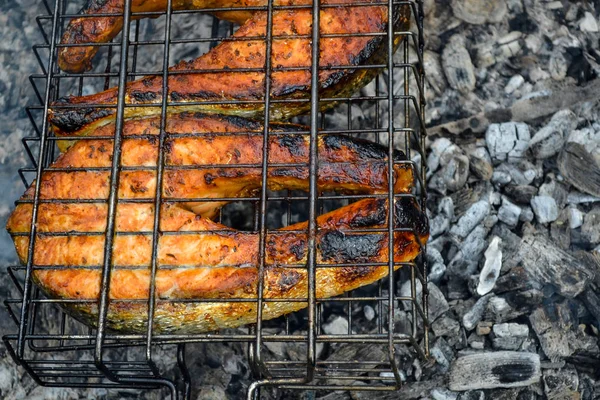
(513, 110)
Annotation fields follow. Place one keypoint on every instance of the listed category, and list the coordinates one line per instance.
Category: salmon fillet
(234, 71)
(200, 262)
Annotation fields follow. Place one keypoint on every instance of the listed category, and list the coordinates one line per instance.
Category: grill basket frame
(77, 356)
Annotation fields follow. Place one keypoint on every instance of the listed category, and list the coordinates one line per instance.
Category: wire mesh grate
(56, 349)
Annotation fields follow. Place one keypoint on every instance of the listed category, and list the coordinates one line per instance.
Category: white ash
(509, 213)
(472, 218)
(491, 269)
(508, 141)
(472, 318)
(549, 140)
(545, 209)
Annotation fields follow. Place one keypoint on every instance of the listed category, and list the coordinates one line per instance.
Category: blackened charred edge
(409, 215)
(207, 95)
(295, 144)
(363, 148)
(143, 97)
(298, 248)
(295, 172)
(400, 17)
(286, 90)
(236, 121)
(284, 244)
(75, 119)
(373, 214)
(514, 372)
(202, 95)
(338, 247)
(283, 280)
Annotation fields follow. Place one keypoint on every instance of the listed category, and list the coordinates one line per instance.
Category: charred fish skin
(226, 91)
(200, 260)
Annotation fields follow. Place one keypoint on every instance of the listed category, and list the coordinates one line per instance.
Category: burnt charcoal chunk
(503, 369)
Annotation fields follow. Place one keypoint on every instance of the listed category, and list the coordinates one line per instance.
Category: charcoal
(445, 326)
(499, 310)
(501, 178)
(484, 328)
(521, 193)
(464, 263)
(491, 269)
(476, 342)
(514, 83)
(580, 168)
(508, 394)
(510, 246)
(479, 11)
(555, 189)
(508, 141)
(518, 175)
(499, 50)
(545, 209)
(588, 23)
(561, 384)
(560, 232)
(336, 396)
(549, 265)
(509, 336)
(443, 354)
(443, 394)
(472, 318)
(527, 214)
(575, 218)
(435, 74)
(438, 304)
(336, 326)
(576, 197)
(369, 312)
(549, 140)
(436, 149)
(409, 391)
(509, 213)
(212, 393)
(553, 328)
(473, 217)
(472, 395)
(441, 222)
(481, 163)
(456, 288)
(591, 298)
(509, 330)
(436, 272)
(457, 65)
(502, 369)
(515, 279)
(591, 226)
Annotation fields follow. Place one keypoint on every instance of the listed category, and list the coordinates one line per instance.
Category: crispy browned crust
(196, 257)
(93, 29)
(193, 82)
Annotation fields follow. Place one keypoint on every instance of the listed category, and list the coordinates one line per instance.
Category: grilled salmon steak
(200, 263)
(230, 78)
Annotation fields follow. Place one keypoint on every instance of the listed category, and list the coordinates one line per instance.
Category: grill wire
(57, 350)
